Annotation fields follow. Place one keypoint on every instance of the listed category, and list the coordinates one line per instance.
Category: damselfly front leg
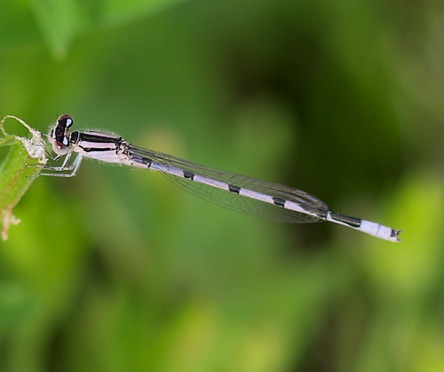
(65, 169)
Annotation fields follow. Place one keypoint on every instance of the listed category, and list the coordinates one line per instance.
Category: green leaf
(60, 21)
(21, 160)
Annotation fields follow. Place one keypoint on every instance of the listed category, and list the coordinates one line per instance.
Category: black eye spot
(65, 121)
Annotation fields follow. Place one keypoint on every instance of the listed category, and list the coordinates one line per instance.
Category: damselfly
(238, 192)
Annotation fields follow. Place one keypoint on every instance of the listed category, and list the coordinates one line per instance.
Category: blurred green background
(120, 270)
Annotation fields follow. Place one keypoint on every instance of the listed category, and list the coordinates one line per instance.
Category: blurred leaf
(60, 21)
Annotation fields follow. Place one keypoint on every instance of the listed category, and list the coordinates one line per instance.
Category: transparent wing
(232, 200)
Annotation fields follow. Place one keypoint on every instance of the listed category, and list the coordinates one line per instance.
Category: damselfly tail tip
(395, 236)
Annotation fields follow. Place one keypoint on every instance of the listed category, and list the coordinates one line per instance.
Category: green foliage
(117, 269)
(20, 163)
(59, 22)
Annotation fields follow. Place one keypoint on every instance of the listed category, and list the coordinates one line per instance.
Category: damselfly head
(59, 134)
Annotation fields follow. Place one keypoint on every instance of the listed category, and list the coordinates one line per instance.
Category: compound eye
(65, 120)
